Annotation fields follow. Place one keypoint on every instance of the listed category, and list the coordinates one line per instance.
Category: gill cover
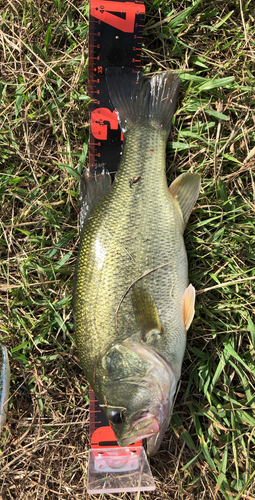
(137, 387)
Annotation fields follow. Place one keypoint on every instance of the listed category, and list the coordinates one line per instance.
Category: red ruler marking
(115, 39)
(101, 433)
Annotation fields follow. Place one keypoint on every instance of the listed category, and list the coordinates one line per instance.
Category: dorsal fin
(94, 185)
(185, 189)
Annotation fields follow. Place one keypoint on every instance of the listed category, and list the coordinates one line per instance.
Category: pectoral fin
(188, 306)
(185, 189)
(145, 312)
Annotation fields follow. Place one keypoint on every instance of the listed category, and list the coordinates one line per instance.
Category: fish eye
(115, 417)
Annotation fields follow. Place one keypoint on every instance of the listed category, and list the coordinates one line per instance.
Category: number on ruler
(102, 10)
(98, 126)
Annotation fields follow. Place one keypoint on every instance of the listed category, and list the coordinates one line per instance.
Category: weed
(209, 449)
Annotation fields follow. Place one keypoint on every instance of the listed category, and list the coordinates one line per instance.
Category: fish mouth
(147, 428)
(154, 441)
(160, 382)
(144, 427)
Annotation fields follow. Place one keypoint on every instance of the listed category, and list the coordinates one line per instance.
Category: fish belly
(134, 235)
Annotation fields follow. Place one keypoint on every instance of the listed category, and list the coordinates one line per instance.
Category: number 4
(103, 10)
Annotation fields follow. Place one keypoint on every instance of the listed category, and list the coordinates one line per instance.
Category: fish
(133, 303)
(4, 385)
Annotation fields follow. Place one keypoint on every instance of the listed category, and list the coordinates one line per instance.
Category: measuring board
(115, 40)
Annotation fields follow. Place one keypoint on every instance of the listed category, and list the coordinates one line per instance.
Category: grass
(209, 450)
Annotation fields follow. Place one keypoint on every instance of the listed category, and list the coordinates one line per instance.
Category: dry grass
(209, 451)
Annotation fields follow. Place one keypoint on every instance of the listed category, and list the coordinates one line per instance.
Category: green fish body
(132, 302)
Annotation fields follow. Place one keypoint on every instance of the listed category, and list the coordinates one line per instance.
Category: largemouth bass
(132, 302)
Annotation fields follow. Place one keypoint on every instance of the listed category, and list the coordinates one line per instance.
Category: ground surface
(209, 450)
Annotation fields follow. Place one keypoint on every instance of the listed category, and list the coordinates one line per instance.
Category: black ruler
(115, 40)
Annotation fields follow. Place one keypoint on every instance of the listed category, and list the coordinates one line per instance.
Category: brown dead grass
(44, 448)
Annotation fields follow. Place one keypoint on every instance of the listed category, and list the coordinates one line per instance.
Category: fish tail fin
(143, 101)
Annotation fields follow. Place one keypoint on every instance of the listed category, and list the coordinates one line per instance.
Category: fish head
(136, 393)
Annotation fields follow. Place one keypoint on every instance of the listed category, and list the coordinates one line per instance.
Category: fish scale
(151, 216)
(131, 297)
